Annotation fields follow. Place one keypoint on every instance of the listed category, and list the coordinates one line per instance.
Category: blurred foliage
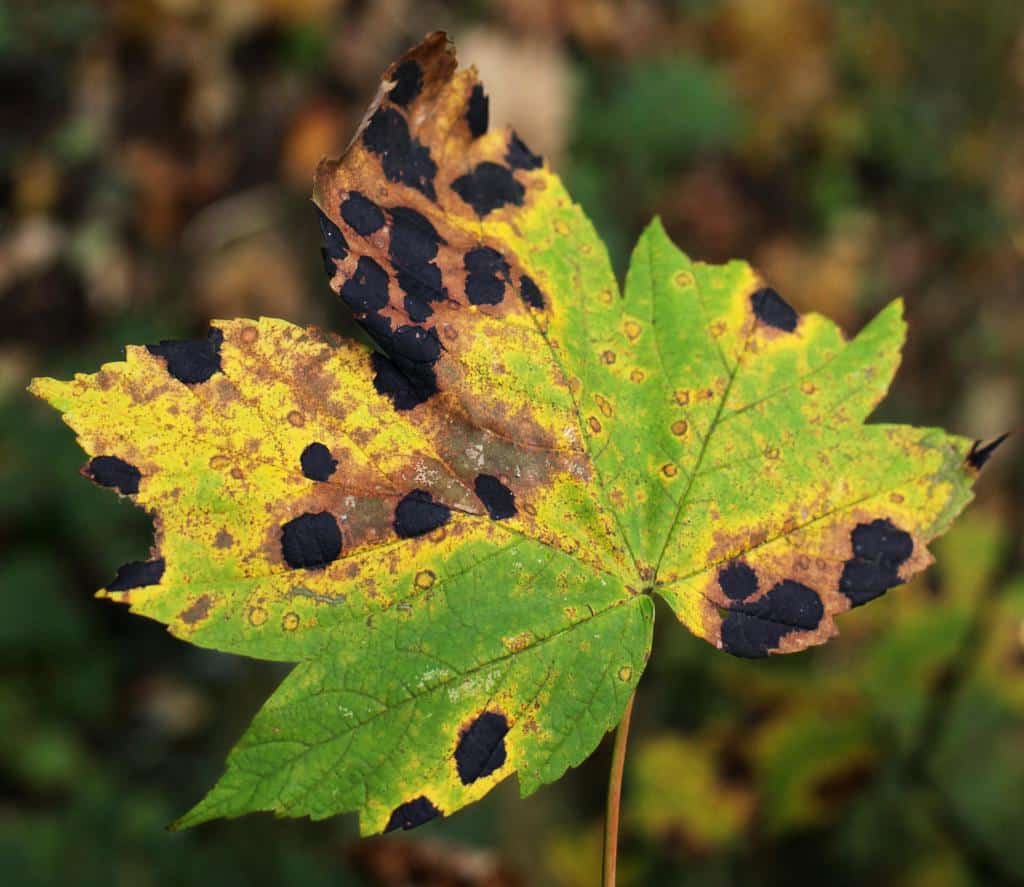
(155, 165)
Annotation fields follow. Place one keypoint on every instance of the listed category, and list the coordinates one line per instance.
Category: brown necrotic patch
(481, 747)
(197, 612)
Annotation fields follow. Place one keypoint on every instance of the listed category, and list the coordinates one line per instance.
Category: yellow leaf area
(455, 533)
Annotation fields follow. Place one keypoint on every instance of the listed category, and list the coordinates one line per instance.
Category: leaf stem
(611, 817)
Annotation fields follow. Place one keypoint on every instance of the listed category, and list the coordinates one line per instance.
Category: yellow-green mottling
(456, 535)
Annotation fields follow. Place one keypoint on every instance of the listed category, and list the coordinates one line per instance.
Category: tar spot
(414, 240)
(753, 630)
(405, 390)
(367, 289)
(773, 310)
(418, 514)
(519, 156)
(530, 292)
(879, 549)
(335, 245)
(416, 344)
(403, 158)
(412, 813)
(487, 273)
(979, 454)
(191, 360)
(481, 748)
(477, 111)
(109, 471)
(738, 581)
(488, 187)
(362, 213)
(317, 463)
(138, 574)
(414, 243)
(311, 541)
(497, 498)
(408, 79)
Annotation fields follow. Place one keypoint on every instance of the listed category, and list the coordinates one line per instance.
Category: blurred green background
(155, 167)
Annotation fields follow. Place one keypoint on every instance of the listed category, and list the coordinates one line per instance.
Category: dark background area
(155, 168)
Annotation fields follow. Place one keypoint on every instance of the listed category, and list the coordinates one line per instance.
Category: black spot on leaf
(138, 574)
(481, 748)
(109, 471)
(311, 541)
(405, 390)
(488, 187)
(416, 344)
(367, 289)
(418, 514)
(530, 292)
(738, 581)
(477, 111)
(414, 243)
(335, 246)
(753, 630)
(317, 463)
(979, 454)
(362, 213)
(487, 273)
(421, 287)
(408, 79)
(879, 550)
(414, 240)
(412, 813)
(497, 498)
(519, 156)
(772, 309)
(403, 159)
(191, 360)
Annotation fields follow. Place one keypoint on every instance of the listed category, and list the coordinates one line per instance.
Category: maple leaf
(456, 535)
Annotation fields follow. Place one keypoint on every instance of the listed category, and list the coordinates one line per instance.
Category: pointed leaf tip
(980, 453)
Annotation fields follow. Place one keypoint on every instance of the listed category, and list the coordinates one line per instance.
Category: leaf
(456, 534)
